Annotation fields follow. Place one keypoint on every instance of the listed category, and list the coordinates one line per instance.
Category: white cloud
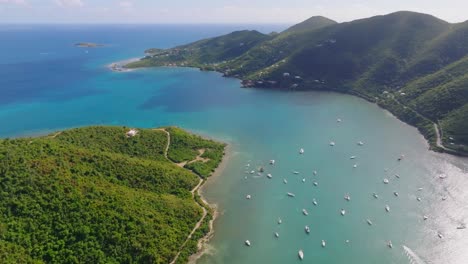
(69, 3)
(15, 2)
(126, 4)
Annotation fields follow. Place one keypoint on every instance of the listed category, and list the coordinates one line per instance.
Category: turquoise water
(48, 85)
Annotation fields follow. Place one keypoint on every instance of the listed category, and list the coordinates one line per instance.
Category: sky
(216, 11)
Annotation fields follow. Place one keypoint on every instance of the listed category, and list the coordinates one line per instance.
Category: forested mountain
(412, 64)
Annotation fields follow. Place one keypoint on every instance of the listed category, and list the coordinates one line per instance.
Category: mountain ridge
(377, 58)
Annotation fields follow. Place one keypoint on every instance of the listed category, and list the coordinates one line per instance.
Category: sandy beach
(118, 66)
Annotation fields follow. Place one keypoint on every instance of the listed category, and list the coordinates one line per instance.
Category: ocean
(48, 84)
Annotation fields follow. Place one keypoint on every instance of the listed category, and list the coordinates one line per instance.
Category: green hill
(95, 195)
(409, 63)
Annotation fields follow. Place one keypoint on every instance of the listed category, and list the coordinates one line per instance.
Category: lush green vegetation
(413, 64)
(185, 147)
(94, 195)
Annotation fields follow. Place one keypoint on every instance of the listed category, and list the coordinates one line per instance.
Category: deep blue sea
(48, 84)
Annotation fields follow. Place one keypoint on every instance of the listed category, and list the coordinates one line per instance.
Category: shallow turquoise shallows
(46, 84)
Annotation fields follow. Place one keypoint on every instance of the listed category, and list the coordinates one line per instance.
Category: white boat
(247, 165)
(386, 181)
(303, 180)
(295, 172)
(444, 198)
(360, 143)
(352, 157)
(376, 196)
(285, 181)
(419, 199)
(314, 202)
(396, 194)
(389, 244)
(420, 189)
(347, 197)
(401, 157)
(301, 254)
(315, 183)
(291, 194)
(272, 162)
(425, 217)
(343, 212)
(269, 176)
(387, 208)
(280, 221)
(315, 172)
(276, 234)
(338, 120)
(304, 211)
(247, 243)
(332, 143)
(440, 235)
(252, 172)
(307, 229)
(369, 222)
(301, 151)
(248, 197)
(397, 175)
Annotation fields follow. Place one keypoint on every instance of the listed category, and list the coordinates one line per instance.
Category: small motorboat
(397, 176)
(248, 197)
(285, 181)
(387, 208)
(332, 143)
(303, 180)
(304, 211)
(444, 198)
(269, 176)
(315, 172)
(280, 221)
(360, 143)
(369, 222)
(440, 235)
(261, 169)
(396, 194)
(276, 234)
(343, 212)
(301, 254)
(347, 197)
(301, 151)
(425, 217)
(252, 172)
(323, 243)
(314, 202)
(386, 181)
(272, 162)
(401, 157)
(247, 243)
(295, 172)
(420, 189)
(355, 166)
(315, 183)
(307, 229)
(291, 194)
(376, 196)
(352, 157)
(338, 120)
(389, 244)
(418, 199)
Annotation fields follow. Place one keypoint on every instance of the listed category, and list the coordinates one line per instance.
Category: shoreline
(203, 241)
(119, 66)
(433, 146)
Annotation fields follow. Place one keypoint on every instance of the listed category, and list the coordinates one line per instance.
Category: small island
(88, 45)
(105, 195)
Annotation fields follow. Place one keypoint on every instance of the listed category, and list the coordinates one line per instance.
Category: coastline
(202, 242)
(433, 142)
(119, 66)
